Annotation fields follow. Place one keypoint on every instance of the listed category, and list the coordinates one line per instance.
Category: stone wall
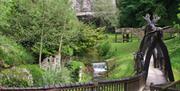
(82, 5)
(87, 5)
(135, 31)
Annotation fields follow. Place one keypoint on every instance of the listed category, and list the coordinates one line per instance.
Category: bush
(86, 38)
(177, 28)
(13, 54)
(16, 77)
(25, 21)
(104, 48)
(86, 74)
(56, 76)
(37, 74)
(74, 67)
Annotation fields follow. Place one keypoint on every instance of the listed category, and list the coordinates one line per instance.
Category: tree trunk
(59, 54)
(41, 42)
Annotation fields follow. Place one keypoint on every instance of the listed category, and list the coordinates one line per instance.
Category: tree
(30, 18)
(178, 15)
(131, 11)
(106, 11)
(55, 28)
(5, 8)
(177, 25)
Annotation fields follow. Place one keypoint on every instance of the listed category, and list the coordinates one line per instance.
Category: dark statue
(153, 45)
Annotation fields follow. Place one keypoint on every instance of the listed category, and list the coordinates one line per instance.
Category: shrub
(74, 67)
(37, 74)
(16, 77)
(104, 48)
(85, 39)
(12, 53)
(25, 23)
(86, 74)
(55, 76)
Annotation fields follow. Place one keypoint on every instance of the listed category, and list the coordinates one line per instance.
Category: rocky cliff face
(87, 5)
(82, 5)
(90, 5)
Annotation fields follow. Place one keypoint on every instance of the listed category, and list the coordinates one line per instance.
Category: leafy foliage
(57, 76)
(74, 67)
(176, 24)
(36, 72)
(51, 20)
(131, 12)
(104, 48)
(86, 38)
(106, 12)
(13, 54)
(5, 8)
(29, 19)
(16, 77)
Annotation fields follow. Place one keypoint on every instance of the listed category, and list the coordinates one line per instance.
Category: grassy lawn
(174, 52)
(123, 55)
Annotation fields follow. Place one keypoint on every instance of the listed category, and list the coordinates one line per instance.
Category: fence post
(125, 86)
(95, 85)
(151, 88)
(115, 37)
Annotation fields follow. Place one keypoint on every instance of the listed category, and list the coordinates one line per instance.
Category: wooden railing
(173, 86)
(135, 83)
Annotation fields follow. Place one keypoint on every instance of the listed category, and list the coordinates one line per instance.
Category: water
(100, 70)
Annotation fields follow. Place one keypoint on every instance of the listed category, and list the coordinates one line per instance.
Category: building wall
(82, 5)
(87, 5)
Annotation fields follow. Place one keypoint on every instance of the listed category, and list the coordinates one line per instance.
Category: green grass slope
(174, 52)
(123, 55)
(124, 63)
(13, 54)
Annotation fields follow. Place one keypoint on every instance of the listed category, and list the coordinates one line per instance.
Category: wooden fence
(135, 83)
(139, 32)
